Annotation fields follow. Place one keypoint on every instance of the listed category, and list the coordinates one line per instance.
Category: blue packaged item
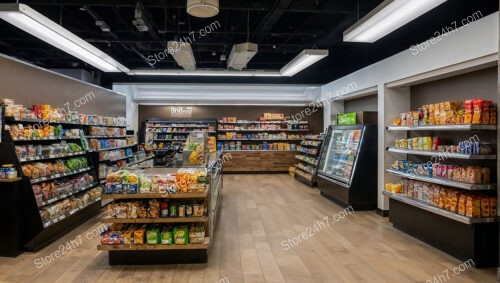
(109, 188)
(131, 188)
(118, 188)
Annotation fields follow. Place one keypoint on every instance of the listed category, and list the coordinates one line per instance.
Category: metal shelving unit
(441, 153)
(467, 127)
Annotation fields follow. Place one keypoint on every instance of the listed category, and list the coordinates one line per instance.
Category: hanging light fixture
(203, 8)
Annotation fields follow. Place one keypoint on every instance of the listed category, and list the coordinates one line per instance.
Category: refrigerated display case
(347, 171)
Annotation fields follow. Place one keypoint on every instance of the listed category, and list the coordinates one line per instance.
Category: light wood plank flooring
(258, 213)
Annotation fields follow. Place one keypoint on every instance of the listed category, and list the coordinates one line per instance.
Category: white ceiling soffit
(227, 94)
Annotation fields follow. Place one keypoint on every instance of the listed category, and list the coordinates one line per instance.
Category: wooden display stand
(168, 254)
(259, 161)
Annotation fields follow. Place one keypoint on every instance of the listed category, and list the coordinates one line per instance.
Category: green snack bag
(181, 235)
(166, 236)
(153, 235)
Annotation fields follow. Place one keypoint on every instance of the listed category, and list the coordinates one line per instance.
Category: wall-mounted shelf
(443, 154)
(468, 127)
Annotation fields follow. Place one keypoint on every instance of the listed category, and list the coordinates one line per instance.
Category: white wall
(469, 46)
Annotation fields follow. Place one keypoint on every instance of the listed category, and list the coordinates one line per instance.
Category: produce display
(477, 111)
(184, 181)
(111, 143)
(470, 204)
(46, 131)
(48, 190)
(467, 174)
(154, 209)
(106, 131)
(26, 151)
(131, 234)
(66, 206)
(47, 113)
(43, 169)
(438, 144)
(197, 156)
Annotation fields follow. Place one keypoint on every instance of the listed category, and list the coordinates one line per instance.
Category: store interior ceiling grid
(282, 28)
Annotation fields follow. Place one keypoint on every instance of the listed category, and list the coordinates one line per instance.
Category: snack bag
(462, 201)
(468, 111)
(493, 206)
(477, 106)
(128, 237)
(139, 236)
(473, 207)
(181, 236)
(153, 235)
(493, 115)
(166, 236)
(485, 207)
(485, 113)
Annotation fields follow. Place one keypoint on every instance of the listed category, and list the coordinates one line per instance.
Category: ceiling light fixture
(203, 8)
(43, 28)
(302, 61)
(221, 73)
(183, 54)
(388, 17)
(241, 54)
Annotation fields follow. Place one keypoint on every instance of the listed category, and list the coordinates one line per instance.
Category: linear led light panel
(305, 59)
(43, 28)
(183, 54)
(388, 17)
(206, 73)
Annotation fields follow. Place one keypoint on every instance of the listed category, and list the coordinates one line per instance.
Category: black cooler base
(478, 241)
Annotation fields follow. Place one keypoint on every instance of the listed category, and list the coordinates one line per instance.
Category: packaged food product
(139, 236)
(485, 207)
(154, 209)
(468, 111)
(485, 112)
(128, 237)
(153, 235)
(493, 115)
(166, 236)
(477, 106)
(173, 210)
(182, 211)
(473, 207)
(180, 235)
(493, 206)
(164, 209)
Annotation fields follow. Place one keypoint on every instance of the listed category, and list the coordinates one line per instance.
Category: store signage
(181, 112)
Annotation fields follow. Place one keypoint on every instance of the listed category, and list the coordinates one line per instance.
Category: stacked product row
(477, 111)
(306, 170)
(469, 204)
(133, 234)
(156, 208)
(471, 146)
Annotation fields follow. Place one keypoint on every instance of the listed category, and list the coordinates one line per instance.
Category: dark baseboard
(383, 213)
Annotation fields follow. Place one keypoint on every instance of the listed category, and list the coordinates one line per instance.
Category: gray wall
(367, 103)
(29, 85)
(479, 84)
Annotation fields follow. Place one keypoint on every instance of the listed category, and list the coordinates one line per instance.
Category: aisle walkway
(260, 214)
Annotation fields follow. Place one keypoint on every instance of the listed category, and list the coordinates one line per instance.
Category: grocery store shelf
(62, 122)
(51, 156)
(443, 154)
(112, 148)
(305, 181)
(156, 220)
(45, 139)
(57, 176)
(139, 161)
(155, 195)
(308, 162)
(117, 159)
(444, 182)
(10, 180)
(183, 140)
(255, 150)
(308, 153)
(439, 211)
(263, 140)
(105, 202)
(203, 246)
(469, 127)
(62, 217)
(180, 126)
(306, 171)
(109, 137)
(311, 145)
(63, 196)
(260, 130)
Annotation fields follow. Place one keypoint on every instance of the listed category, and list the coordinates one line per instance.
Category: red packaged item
(477, 108)
(468, 108)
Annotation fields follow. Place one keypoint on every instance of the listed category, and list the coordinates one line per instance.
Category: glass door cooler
(347, 171)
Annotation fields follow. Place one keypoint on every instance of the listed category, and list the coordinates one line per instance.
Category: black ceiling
(282, 28)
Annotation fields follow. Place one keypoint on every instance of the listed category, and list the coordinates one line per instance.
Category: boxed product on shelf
(106, 131)
(476, 111)
(110, 143)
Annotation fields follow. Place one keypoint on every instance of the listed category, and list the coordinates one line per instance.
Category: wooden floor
(258, 213)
